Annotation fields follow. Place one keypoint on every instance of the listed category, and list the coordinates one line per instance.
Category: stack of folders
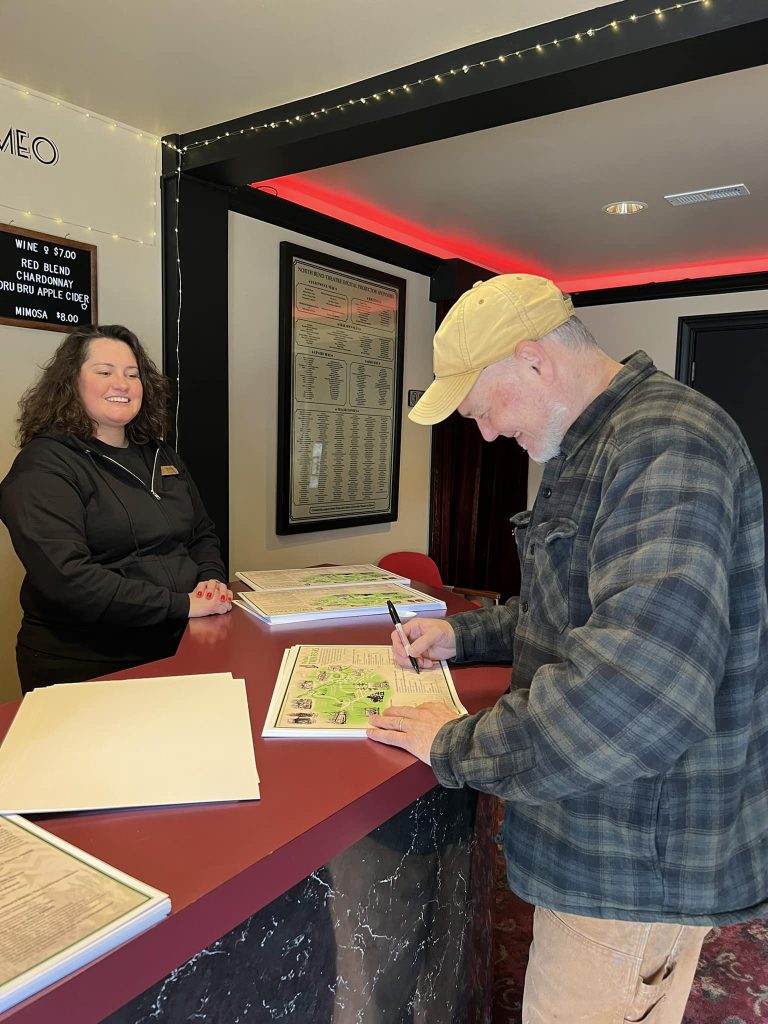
(329, 592)
(101, 745)
(60, 909)
(129, 743)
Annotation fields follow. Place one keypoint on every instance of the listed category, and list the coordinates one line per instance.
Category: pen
(401, 633)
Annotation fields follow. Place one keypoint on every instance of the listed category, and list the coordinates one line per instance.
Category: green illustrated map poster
(307, 603)
(318, 576)
(339, 695)
(329, 691)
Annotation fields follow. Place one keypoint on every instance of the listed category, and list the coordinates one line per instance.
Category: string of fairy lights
(534, 51)
(409, 87)
(29, 214)
(24, 215)
(178, 307)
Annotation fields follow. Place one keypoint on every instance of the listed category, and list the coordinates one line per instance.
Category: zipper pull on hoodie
(152, 490)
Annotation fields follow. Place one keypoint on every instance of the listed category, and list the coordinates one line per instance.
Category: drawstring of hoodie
(117, 497)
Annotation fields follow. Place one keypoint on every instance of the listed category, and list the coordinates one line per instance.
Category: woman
(117, 546)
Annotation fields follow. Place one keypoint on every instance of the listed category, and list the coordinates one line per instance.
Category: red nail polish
(199, 593)
(209, 595)
(222, 598)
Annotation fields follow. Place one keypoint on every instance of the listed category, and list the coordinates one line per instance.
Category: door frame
(690, 327)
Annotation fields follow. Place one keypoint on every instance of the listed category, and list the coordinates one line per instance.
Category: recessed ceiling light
(625, 207)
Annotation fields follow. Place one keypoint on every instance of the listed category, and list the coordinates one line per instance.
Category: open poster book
(308, 604)
(318, 576)
(60, 908)
(324, 691)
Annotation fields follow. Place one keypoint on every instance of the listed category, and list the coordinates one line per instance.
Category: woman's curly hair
(53, 403)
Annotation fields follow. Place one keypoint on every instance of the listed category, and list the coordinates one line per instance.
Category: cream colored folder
(129, 743)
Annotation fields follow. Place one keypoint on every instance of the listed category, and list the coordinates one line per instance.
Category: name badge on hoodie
(168, 471)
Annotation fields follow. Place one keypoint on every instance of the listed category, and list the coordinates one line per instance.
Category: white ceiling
(168, 66)
(530, 192)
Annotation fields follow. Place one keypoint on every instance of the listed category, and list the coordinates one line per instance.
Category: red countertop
(221, 863)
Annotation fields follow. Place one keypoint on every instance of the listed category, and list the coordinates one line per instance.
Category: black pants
(39, 669)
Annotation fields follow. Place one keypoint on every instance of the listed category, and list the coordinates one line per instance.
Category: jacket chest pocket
(549, 557)
(519, 524)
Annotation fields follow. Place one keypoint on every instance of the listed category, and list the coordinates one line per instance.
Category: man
(632, 748)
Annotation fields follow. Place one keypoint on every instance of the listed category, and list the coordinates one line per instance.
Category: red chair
(413, 565)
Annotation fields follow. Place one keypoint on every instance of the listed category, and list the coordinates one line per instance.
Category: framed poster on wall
(340, 392)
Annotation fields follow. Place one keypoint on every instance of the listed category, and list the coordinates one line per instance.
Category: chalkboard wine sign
(46, 282)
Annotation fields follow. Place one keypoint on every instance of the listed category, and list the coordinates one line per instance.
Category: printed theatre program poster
(341, 370)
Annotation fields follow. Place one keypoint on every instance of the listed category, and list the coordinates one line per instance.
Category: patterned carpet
(731, 984)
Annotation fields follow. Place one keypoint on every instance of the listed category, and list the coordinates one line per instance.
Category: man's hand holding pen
(401, 635)
(429, 640)
(414, 729)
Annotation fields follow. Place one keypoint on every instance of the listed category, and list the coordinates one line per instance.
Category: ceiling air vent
(706, 195)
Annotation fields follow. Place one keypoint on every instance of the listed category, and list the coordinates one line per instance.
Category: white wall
(622, 328)
(253, 366)
(107, 176)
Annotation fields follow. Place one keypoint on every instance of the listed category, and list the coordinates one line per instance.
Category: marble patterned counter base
(395, 930)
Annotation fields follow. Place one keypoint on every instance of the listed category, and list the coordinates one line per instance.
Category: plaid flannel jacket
(632, 747)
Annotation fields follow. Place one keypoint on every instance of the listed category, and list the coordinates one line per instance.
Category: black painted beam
(270, 208)
(723, 285)
(696, 41)
(195, 344)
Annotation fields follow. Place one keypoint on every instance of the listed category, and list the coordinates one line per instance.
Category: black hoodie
(113, 540)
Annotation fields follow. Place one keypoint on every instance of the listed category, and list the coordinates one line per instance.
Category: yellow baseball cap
(483, 326)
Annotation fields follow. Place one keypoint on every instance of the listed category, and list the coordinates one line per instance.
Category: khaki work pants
(586, 970)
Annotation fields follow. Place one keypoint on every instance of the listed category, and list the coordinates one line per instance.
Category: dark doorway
(476, 486)
(725, 356)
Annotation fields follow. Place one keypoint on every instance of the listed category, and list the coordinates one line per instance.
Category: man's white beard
(552, 435)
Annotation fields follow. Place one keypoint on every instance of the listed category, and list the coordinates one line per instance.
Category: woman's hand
(210, 598)
(430, 640)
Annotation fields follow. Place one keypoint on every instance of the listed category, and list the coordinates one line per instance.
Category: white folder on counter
(129, 743)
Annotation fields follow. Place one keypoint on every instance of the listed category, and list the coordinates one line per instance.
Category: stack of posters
(332, 691)
(308, 604)
(317, 576)
(60, 908)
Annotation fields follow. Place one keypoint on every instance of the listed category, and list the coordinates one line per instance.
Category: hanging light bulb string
(113, 127)
(176, 439)
(409, 87)
(74, 224)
